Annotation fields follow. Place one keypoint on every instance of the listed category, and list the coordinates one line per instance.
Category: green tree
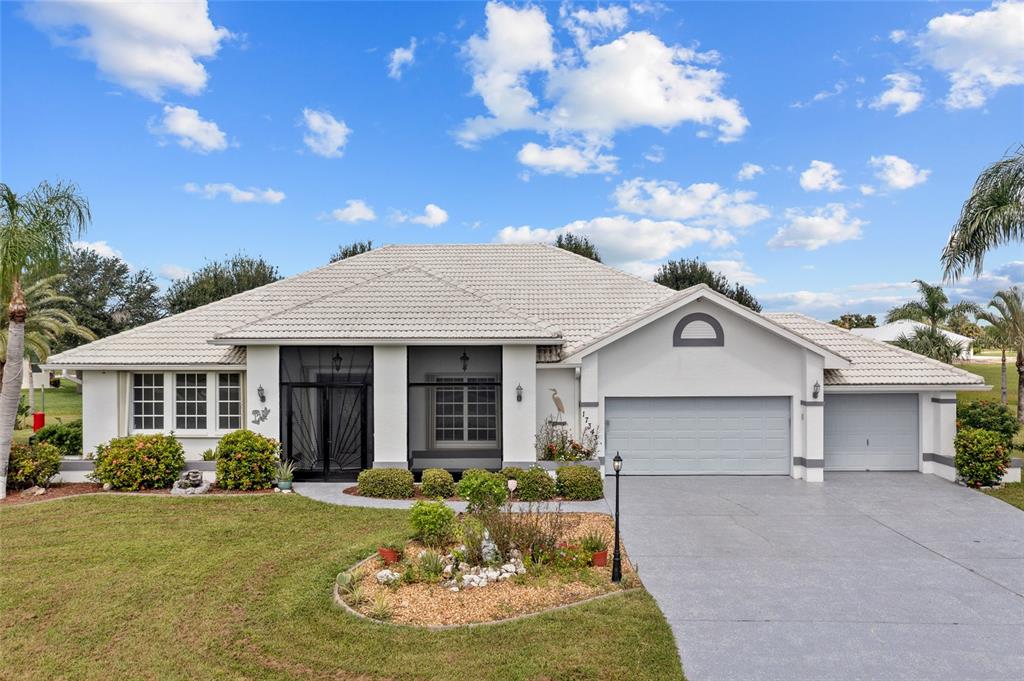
(354, 248)
(932, 307)
(1006, 313)
(930, 342)
(106, 295)
(680, 274)
(993, 215)
(217, 280)
(36, 231)
(580, 245)
(856, 321)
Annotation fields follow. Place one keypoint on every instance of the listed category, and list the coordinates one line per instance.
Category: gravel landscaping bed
(73, 489)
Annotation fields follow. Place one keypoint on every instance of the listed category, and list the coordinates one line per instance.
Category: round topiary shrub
(534, 484)
(386, 483)
(510, 472)
(67, 437)
(247, 460)
(139, 462)
(982, 456)
(437, 483)
(989, 415)
(32, 465)
(482, 489)
(433, 522)
(579, 483)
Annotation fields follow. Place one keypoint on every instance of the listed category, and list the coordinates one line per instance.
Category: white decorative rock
(508, 567)
(386, 576)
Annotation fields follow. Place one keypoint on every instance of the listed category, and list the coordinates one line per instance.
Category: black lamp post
(616, 557)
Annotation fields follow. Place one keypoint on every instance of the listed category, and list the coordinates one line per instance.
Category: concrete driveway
(881, 576)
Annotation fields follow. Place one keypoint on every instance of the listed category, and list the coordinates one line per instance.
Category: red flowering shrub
(139, 462)
(247, 460)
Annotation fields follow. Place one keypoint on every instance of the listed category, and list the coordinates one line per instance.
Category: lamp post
(616, 557)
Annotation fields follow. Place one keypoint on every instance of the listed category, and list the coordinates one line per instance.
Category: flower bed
(467, 591)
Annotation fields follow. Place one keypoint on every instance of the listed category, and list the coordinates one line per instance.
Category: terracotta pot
(389, 555)
(600, 558)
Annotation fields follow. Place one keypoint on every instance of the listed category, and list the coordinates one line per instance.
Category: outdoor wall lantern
(519, 392)
(337, 362)
(262, 393)
(464, 358)
(816, 390)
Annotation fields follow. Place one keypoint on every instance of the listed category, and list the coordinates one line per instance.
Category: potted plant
(595, 544)
(285, 473)
(391, 552)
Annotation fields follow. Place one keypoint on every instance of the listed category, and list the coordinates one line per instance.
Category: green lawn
(62, 404)
(990, 372)
(1012, 493)
(115, 586)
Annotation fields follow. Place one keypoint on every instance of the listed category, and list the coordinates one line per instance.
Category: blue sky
(285, 129)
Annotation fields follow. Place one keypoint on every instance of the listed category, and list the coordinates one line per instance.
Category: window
(229, 401)
(190, 401)
(466, 412)
(147, 401)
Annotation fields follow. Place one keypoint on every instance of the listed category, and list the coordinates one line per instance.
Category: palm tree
(1008, 313)
(993, 215)
(931, 343)
(996, 335)
(36, 230)
(932, 307)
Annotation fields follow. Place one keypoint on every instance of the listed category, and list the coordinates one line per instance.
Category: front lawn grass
(63, 404)
(140, 587)
(1012, 493)
(990, 372)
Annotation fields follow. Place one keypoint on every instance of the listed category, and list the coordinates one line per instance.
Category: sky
(818, 153)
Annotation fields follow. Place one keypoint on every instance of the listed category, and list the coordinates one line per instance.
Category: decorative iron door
(326, 429)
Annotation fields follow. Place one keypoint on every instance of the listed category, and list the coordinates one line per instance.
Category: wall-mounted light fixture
(519, 392)
(337, 360)
(816, 390)
(262, 393)
(464, 358)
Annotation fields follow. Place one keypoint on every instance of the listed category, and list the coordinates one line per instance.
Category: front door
(326, 430)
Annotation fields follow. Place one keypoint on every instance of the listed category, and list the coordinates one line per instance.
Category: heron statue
(559, 406)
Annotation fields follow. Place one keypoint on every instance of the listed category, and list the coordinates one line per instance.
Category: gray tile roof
(873, 362)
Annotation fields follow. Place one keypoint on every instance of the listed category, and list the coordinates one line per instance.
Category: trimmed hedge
(482, 489)
(535, 484)
(579, 483)
(67, 437)
(386, 483)
(989, 415)
(139, 462)
(247, 460)
(982, 456)
(437, 483)
(32, 465)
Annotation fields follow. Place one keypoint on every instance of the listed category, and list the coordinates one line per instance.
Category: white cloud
(981, 289)
(193, 133)
(146, 47)
(325, 135)
(801, 300)
(736, 271)
(400, 58)
(904, 93)
(980, 52)
(656, 154)
(355, 210)
(821, 175)
(174, 272)
(433, 216)
(590, 93)
(99, 247)
(837, 89)
(706, 204)
(250, 195)
(823, 226)
(898, 173)
(897, 36)
(586, 25)
(866, 189)
(568, 160)
(749, 171)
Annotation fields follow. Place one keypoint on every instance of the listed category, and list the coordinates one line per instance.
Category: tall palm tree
(1007, 312)
(932, 307)
(993, 215)
(36, 229)
(997, 335)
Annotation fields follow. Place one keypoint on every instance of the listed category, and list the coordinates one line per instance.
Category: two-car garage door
(699, 435)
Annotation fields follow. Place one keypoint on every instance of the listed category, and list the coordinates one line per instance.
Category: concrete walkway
(892, 576)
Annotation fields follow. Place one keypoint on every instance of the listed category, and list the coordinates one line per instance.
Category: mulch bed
(419, 496)
(435, 605)
(71, 489)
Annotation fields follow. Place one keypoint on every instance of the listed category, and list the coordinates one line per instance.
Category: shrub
(988, 415)
(554, 443)
(32, 465)
(437, 483)
(139, 462)
(534, 484)
(482, 489)
(67, 437)
(579, 483)
(246, 460)
(388, 483)
(533, 531)
(982, 456)
(433, 522)
(510, 472)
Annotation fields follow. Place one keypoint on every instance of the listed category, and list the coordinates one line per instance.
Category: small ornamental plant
(535, 484)
(32, 465)
(482, 489)
(139, 462)
(982, 456)
(579, 483)
(596, 545)
(391, 552)
(247, 460)
(432, 522)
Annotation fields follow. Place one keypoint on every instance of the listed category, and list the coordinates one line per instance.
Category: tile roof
(873, 362)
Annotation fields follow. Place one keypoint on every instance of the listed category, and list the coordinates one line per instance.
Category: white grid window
(190, 401)
(229, 401)
(147, 401)
(466, 411)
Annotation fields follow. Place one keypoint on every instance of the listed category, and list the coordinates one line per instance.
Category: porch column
(518, 419)
(813, 414)
(390, 406)
(263, 370)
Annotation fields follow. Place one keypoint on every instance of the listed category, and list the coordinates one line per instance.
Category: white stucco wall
(565, 382)
(100, 404)
(263, 368)
(518, 419)
(390, 395)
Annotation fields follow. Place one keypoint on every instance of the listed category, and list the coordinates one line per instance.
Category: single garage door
(699, 435)
(871, 432)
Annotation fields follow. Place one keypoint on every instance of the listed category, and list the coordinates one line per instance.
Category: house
(449, 355)
(893, 331)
